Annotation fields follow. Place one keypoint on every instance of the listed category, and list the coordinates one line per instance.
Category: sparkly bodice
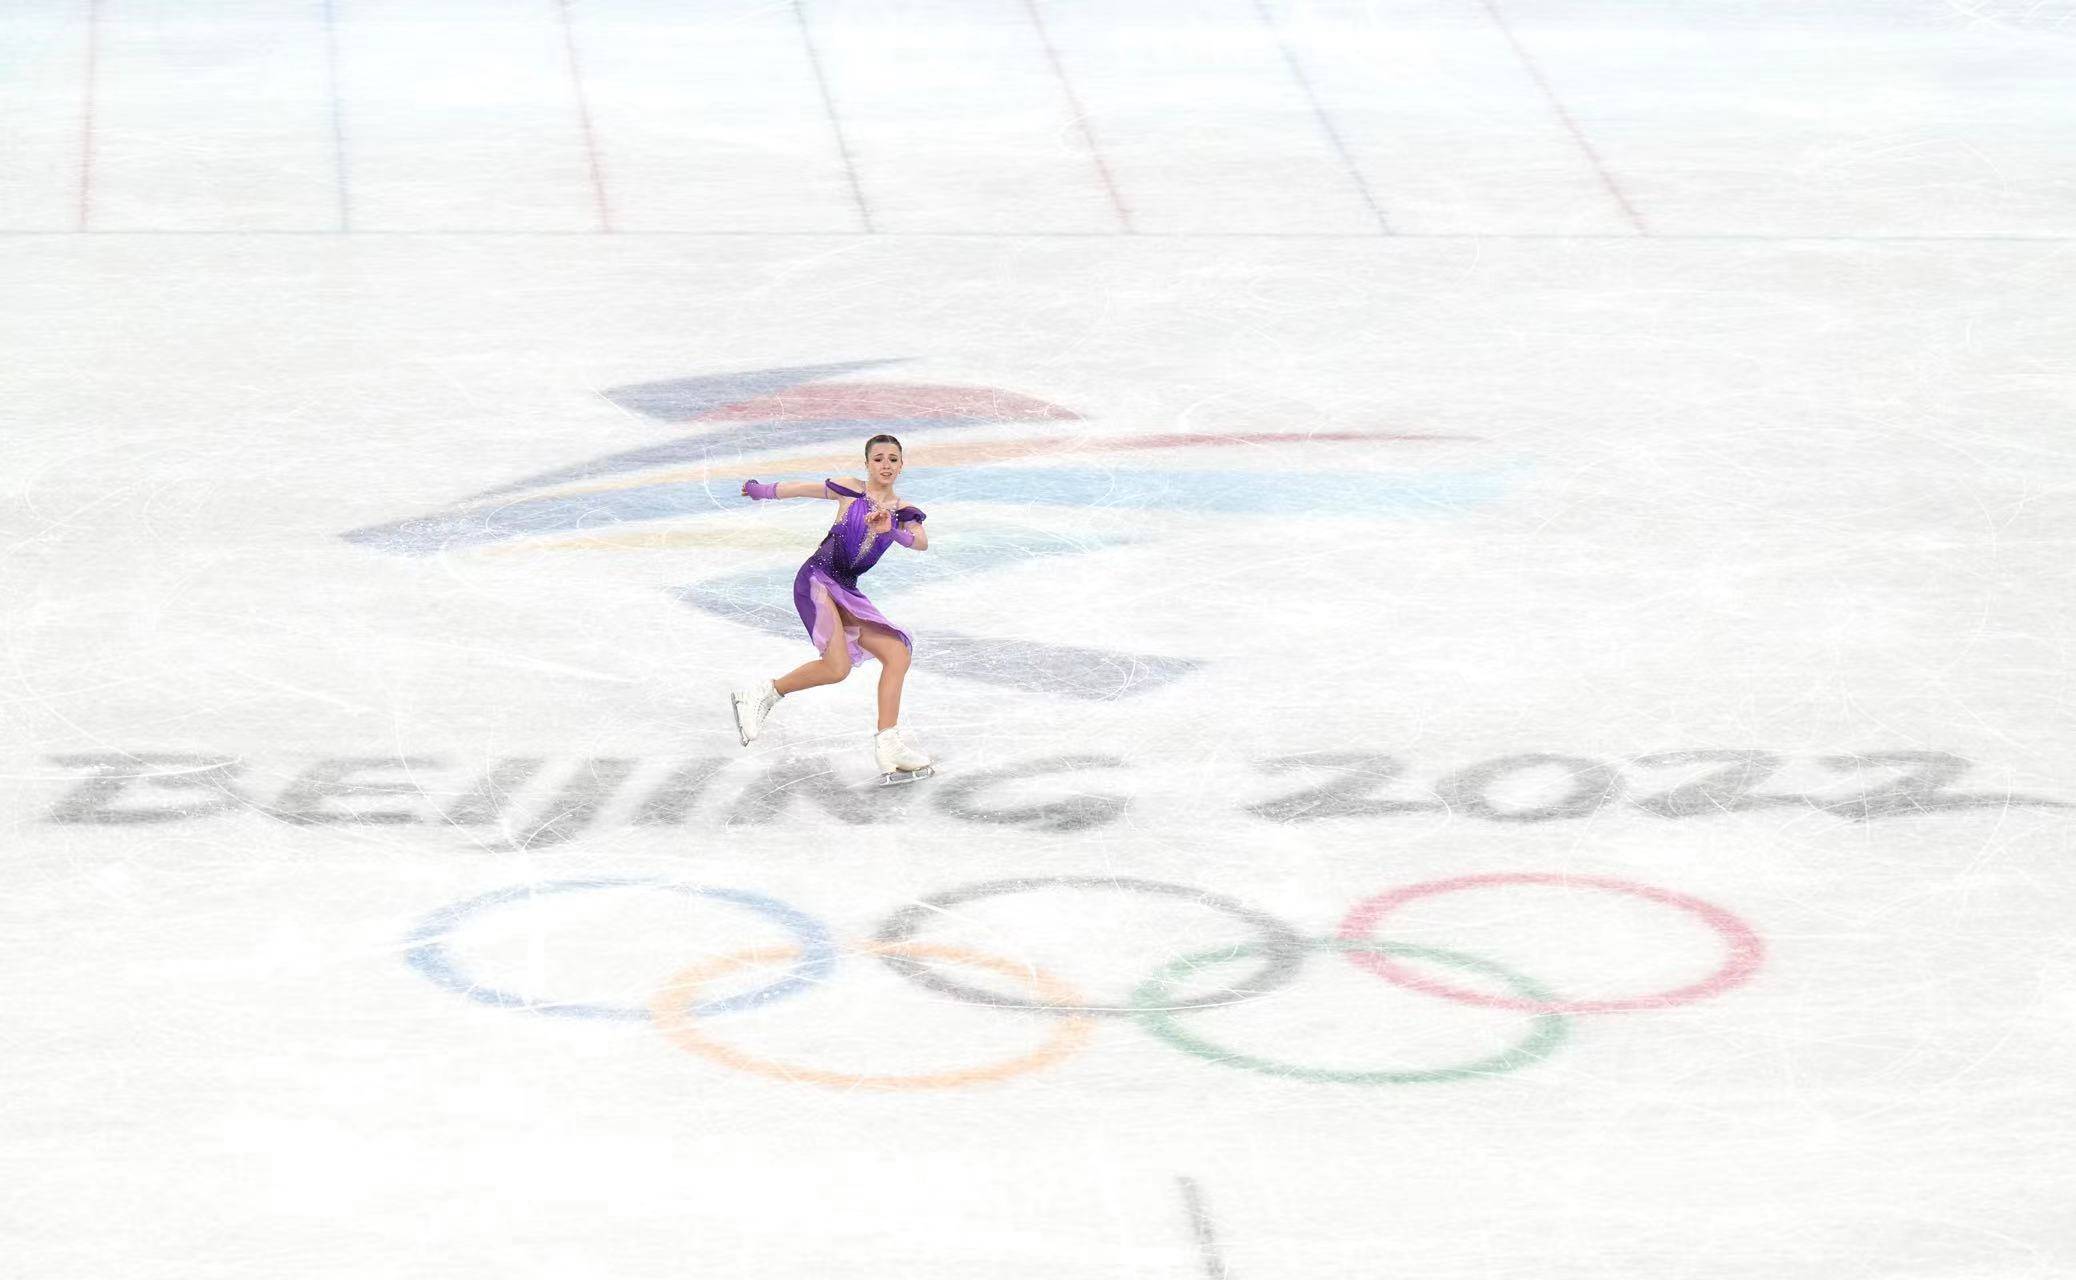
(847, 550)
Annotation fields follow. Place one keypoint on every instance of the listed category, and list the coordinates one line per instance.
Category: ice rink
(1495, 633)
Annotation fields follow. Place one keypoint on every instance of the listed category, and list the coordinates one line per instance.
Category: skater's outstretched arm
(789, 489)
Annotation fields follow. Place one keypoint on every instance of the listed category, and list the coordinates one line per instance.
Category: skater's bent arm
(922, 540)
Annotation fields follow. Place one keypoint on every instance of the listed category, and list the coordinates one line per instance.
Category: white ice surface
(1708, 368)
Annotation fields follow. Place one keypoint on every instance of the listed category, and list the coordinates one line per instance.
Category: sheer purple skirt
(816, 591)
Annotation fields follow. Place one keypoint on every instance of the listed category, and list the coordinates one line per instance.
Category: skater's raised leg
(831, 668)
(755, 702)
(835, 663)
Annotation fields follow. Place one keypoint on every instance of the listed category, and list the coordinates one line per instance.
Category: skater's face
(884, 462)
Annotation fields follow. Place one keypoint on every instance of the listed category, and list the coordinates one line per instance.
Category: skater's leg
(834, 664)
(893, 669)
(830, 668)
(899, 758)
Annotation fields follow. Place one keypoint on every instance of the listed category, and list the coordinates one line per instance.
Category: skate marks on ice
(1525, 1014)
(1201, 1227)
(528, 803)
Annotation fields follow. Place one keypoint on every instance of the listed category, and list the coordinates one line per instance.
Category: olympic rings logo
(1275, 958)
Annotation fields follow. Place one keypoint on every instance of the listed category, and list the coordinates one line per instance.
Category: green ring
(1549, 1029)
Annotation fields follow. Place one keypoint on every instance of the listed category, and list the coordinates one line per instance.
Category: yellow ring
(672, 1009)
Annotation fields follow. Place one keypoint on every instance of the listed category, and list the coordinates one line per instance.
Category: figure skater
(841, 622)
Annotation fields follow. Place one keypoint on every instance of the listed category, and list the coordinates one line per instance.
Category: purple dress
(832, 573)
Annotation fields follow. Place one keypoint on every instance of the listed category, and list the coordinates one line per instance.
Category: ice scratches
(670, 804)
(1097, 675)
(492, 792)
(959, 796)
(811, 777)
(579, 801)
(2057, 16)
(1201, 1226)
(488, 801)
(92, 800)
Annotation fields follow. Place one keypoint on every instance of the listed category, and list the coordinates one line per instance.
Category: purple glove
(759, 490)
(905, 536)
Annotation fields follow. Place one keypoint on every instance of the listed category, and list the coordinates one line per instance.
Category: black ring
(1281, 947)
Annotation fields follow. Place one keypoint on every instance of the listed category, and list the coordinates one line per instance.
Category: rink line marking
(331, 66)
(1333, 135)
(576, 80)
(1607, 178)
(86, 112)
(1200, 1223)
(1088, 136)
(843, 145)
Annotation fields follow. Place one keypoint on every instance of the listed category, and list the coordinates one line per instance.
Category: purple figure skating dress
(831, 573)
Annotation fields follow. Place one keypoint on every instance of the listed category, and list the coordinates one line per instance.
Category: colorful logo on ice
(810, 421)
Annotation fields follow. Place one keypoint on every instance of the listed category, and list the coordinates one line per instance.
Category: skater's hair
(876, 439)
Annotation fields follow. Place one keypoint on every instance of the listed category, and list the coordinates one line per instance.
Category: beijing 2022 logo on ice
(808, 421)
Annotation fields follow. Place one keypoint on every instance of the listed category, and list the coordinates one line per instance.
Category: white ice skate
(752, 705)
(899, 761)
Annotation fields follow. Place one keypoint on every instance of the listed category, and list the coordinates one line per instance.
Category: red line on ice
(1607, 177)
(86, 113)
(576, 78)
(1095, 153)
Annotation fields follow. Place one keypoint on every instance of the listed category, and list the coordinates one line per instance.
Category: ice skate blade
(740, 730)
(902, 777)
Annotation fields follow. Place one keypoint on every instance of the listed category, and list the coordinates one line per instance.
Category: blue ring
(428, 952)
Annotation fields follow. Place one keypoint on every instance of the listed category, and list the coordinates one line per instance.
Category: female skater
(840, 621)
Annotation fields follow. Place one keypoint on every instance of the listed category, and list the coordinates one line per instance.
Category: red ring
(1747, 952)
